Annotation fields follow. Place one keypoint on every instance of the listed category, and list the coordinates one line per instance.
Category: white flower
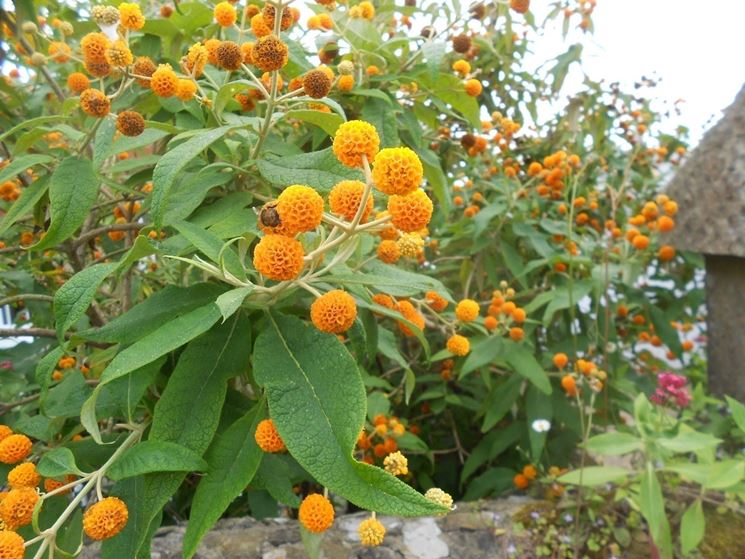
(541, 425)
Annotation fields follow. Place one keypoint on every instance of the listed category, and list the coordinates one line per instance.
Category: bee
(269, 216)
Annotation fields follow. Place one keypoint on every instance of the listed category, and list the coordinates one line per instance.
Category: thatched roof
(710, 189)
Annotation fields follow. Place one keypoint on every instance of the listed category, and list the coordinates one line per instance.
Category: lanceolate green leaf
(76, 294)
(18, 165)
(652, 506)
(161, 307)
(25, 203)
(165, 339)
(233, 460)
(692, 527)
(173, 162)
(72, 192)
(188, 413)
(156, 456)
(319, 169)
(526, 365)
(317, 401)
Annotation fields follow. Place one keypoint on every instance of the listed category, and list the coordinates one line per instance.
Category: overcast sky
(696, 47)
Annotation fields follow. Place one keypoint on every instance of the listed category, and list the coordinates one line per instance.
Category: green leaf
(319, 169)
(392, 280)
(652, 507)
(689, 441)
(692, 527)
(18, 165)
(613, 444)
(57, 462)
(188, 413)
(25, 203)
(382, 115)
(73, 298)
(103, 141)
(738, 412)
(484, 350)
(165, 339)
(38, 121)
(594, 475)
(664, 329)
(526, 365)
(328, 122)
(719, 475)
(231, 301)
(317, 401)
(161, 307)
(275, 475)
(212, 247)
(73, 190)
(172, 163)
(501, 398)
(233, 459)
(155, 456)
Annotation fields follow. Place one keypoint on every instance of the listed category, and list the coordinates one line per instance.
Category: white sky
(696, 47)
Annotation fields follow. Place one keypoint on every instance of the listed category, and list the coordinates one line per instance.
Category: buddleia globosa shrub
(274, 258)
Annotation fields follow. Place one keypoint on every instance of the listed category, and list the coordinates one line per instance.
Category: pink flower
(671, 390)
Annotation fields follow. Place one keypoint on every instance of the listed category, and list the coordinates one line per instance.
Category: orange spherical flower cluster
(59, 51)
(411, 245)
(389, 252)
(78, 82)
(520, 6)
(269, 13)
(458, 345)
(278, 257)
(467, 310)
(473, 87)
(94, 47)
(196, 59)
(5, 432)
(461, 43)
(144, 66)
(397, 171)
(409, 312)
(95, 103)
(346, 83)
(462, 67)
(345, 198)
(259, 26)
(229, 55)
(164, 81)
(186, 89)
(436, 301)
(268, 438)
(225, 14)
(371, 532)
(11, 545)
(569, 384)
(317, 84)
(300, 208)
(130, 123)
(24, 475)
(14, 448)
(118, 54)
(520, 481)
(354, 139)
(333, 312)
(270, 53)
(105, 519)
(130, 16)
(316, 513)
(410, 212)
(396, 464)
(270, 223)
(437, 495)
(560, 360)
(17, 508)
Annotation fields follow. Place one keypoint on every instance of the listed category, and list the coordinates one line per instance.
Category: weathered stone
(725, 303)
(480, 530)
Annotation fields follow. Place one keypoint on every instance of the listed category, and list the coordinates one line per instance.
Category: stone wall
(480, 530)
